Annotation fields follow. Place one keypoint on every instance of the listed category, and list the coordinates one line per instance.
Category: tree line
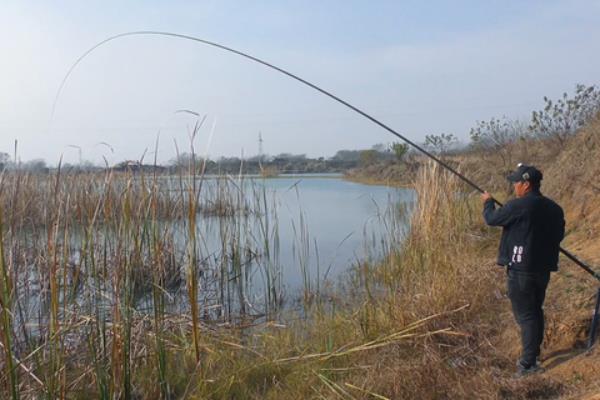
(555, 122)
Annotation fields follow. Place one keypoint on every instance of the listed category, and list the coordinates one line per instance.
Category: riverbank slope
(572, 177)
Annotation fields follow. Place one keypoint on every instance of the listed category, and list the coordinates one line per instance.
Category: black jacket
(533, 227)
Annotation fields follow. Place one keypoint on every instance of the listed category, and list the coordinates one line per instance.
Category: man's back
(533, 228)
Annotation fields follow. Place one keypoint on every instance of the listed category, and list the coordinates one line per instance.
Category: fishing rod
(309, 84)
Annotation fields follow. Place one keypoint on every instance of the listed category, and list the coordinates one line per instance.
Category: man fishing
(532, 229)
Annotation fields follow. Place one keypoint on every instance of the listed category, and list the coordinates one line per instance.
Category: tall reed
(112, 289)
(6, 295)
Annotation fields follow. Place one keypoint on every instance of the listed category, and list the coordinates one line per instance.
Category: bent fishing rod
(445, 165)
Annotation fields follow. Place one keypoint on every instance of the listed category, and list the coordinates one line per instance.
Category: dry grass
(431, 321)
(437, 272)
(420, 323)
(447, 263)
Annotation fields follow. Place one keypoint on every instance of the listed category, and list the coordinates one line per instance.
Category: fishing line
(307, 83)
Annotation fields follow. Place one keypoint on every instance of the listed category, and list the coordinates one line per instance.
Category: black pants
(527, 292)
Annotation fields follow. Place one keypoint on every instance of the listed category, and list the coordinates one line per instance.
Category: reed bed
(416, 325)
(99, 300)
(94, 266)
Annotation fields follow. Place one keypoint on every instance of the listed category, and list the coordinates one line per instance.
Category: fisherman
(532, 229)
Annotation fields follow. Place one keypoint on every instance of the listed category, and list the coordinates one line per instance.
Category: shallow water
(342, 218)
(319, 228)
(297, 236)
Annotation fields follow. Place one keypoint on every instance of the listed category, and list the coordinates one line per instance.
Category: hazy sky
(422, 67)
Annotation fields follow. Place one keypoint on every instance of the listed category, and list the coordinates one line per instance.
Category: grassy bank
(388, 173)
(72, 326)
(416, 325)
(430, 321)
(572, 174)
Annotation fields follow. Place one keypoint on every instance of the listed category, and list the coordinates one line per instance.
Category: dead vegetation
(431, 322)
(572, 174)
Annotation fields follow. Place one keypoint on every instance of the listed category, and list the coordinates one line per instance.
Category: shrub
(565, 116)
(440, 144)
(399, 150)
(496, 136)
(368, 157)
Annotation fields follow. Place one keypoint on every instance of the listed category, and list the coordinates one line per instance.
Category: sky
(421, 67)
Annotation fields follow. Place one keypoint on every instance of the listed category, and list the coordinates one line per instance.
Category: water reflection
(265, 244)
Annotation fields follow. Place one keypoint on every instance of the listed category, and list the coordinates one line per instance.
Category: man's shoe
(538, 362)
(525, 370)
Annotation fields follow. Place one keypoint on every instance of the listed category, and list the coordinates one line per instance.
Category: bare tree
(37, 165)
(440, 144)
(496, 138)
(565, 116)
(4, 160)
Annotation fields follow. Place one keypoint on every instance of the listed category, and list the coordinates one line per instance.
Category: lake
(254, 246)
(310, 230)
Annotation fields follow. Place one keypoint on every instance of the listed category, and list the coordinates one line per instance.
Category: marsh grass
(93, 304)
(80, 254)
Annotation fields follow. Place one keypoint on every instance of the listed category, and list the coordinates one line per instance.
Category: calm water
(297, 237)
(324, 226)
(343, 220)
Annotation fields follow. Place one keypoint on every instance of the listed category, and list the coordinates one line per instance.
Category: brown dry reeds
(411, 327)
(86, 258)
